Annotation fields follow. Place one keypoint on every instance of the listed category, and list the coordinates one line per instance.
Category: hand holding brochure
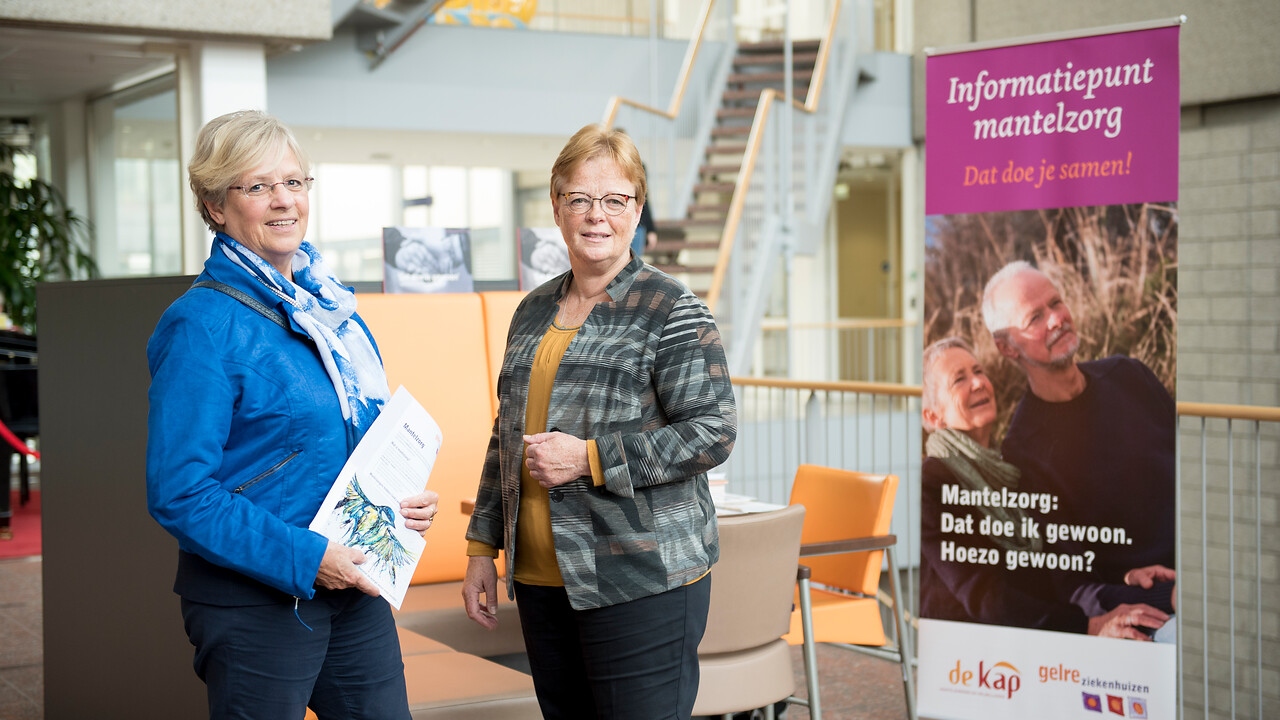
(362, 509)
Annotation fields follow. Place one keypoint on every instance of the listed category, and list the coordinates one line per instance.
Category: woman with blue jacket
(263, 381)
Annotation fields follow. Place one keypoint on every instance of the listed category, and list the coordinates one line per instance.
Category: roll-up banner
(1048, 529)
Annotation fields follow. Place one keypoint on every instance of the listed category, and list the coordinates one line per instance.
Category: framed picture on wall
(543, 255)
(426, 260)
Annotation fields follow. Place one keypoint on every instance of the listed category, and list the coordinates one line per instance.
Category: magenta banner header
(1086, 121)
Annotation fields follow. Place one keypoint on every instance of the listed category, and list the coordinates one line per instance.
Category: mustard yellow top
(535, 562)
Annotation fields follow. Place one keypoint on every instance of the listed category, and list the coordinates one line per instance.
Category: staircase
(382, 25)
(688, 247)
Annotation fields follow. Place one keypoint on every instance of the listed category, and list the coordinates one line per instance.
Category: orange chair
(844, 540)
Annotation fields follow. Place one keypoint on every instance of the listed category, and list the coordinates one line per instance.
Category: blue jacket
(245, 436)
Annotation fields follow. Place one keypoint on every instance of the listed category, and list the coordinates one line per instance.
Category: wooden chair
(743, 660)
(844, 541)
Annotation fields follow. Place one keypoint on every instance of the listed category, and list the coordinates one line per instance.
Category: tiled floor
(854, 686)
(21, 640)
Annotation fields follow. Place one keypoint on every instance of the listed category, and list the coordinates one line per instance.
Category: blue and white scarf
(322, 306)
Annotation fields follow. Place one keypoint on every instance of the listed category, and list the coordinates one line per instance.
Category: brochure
(362, 509)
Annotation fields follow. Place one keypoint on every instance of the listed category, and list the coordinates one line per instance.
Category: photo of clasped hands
(423, 260)
(423, 257)
(550, 257)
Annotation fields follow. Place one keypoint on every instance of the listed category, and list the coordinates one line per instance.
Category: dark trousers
(262, 662)
(635, 660)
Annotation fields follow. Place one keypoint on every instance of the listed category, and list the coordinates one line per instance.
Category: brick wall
(1229, 255)
(1228, 345)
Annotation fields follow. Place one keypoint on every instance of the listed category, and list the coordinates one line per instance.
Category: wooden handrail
(1253, 413)
(739, 199)
(682, 82)
(820, 64)
(843, 324)
(736, 203)
(866, 388)
(1256, 413)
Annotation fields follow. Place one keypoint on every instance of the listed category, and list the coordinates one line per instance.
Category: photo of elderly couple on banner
(1048, 523)
(1048, 402)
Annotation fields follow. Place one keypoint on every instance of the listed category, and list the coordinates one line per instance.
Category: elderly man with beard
(1099, 435)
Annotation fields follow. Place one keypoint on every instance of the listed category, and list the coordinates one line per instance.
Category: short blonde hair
(929, 391)
(230, 145)
(594, 141)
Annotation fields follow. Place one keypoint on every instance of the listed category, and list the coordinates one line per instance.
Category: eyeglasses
(612, 204)
(257, 190)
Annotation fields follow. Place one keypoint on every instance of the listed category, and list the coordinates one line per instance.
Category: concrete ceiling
(43, 67)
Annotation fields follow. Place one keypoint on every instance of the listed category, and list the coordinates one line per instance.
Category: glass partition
(135, 180)
(351, 203)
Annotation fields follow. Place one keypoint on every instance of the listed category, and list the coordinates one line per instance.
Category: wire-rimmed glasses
(262, 189)
(612, 204)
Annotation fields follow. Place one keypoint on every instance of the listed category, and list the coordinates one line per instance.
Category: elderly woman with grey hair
(958, 409)
(264, 378)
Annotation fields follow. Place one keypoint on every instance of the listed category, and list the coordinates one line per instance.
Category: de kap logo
(999, 679)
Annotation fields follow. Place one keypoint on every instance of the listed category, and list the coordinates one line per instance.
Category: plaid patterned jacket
(646, 377)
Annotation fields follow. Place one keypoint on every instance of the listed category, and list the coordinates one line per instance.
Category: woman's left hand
(555, 458)
(419, 510)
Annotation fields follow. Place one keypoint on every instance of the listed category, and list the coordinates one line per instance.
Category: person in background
(646, 237)
(615, 401)
(958, 409)
(261, 387)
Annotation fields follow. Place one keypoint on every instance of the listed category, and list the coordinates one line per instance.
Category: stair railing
(697, 128)
(767, 222)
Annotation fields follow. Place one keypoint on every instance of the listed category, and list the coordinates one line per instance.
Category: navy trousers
(261, 661)
(632, 661)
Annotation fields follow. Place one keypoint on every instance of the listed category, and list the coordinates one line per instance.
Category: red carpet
(25, 525)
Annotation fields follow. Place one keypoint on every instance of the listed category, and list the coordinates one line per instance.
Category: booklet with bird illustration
(362, 508)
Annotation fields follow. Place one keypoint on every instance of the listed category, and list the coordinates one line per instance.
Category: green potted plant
(40, 239)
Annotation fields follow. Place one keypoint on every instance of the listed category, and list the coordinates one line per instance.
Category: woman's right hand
(482, 579)
(338, 570)
(1125, 620)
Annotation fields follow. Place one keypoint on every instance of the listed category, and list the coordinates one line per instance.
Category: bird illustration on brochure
(391, 462)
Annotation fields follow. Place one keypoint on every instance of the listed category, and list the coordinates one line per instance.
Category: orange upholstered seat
(446, 349)
(436, 346)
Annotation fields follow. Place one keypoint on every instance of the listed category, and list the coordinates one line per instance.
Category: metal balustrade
(1228, 515)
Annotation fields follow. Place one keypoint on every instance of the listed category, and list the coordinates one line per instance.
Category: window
(136, 180)
(350, 204)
